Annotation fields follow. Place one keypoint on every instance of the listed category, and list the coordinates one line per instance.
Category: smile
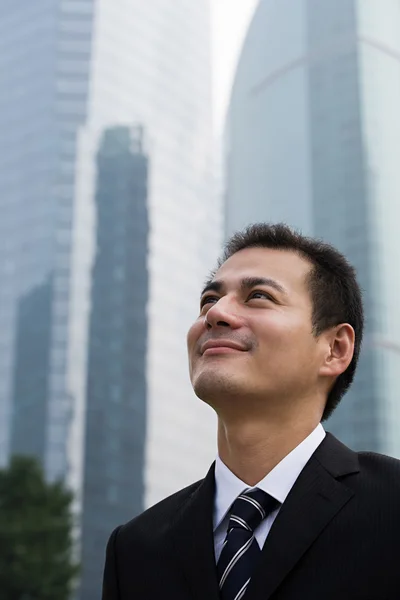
(221, 350)
(221, 347)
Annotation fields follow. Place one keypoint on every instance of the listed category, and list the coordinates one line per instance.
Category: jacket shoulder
(371, 459)
(380, 470)
(160, 515)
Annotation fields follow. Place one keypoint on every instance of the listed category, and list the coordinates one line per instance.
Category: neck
(251, 448)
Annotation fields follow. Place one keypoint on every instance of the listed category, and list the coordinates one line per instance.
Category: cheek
(284, 335)
(194, 333)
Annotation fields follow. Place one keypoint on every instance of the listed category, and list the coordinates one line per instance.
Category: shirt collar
(277, 482)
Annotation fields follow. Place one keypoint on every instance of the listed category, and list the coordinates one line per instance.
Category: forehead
(284, 266)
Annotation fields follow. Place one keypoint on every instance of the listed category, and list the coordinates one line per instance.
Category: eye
(208, 300)
(259, 295)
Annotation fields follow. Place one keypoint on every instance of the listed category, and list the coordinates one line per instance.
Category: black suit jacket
(336, 537)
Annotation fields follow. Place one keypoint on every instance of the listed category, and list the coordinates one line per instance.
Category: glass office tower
(116, 404)
(312, 139)
(75, 77)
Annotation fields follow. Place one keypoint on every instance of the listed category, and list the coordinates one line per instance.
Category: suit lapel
(314, 500)
(193, 540)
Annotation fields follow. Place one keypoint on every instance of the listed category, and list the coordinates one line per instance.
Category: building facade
(311, 140)
(116, 399)
(75, 74)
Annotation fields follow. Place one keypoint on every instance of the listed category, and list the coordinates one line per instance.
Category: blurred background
(135, 137)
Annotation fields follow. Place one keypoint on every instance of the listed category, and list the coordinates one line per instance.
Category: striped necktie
(241, 552)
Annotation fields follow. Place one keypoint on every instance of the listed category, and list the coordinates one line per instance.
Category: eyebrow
(247, 283)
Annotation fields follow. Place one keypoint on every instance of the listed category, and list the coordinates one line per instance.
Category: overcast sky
(230, 20)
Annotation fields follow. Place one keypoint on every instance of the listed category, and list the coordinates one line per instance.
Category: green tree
(36, 544)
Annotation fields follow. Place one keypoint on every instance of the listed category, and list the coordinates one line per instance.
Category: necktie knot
(250, 508)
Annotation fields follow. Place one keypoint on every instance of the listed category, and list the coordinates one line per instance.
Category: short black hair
(335, 293)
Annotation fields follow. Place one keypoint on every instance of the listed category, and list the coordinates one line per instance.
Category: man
(287, 512)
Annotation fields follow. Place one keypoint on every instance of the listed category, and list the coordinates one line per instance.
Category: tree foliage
(36, 544)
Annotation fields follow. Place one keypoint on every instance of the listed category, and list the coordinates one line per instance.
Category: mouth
(221, 350)
(221, 347)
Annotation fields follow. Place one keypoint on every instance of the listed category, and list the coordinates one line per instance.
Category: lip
(221, 347)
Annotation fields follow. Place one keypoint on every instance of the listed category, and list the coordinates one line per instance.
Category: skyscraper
(75, 75)
(116, 404)
(311, 140)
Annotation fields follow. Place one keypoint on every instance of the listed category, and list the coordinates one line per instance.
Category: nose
(223, 314)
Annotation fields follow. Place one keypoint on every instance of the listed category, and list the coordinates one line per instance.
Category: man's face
(253, 337)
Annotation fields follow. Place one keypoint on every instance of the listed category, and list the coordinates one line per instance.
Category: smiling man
(286, 511)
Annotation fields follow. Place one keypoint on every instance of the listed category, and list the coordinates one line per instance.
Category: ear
(340, 350)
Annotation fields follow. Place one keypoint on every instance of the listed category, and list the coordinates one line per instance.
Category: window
(112, 494)
(77, 6)
(115, 393)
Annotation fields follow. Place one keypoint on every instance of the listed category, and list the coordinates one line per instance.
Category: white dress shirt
(277, 483)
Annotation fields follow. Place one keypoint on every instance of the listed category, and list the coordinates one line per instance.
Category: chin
(211, 387)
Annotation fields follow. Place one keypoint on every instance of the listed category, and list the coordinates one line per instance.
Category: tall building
(73, 75)
(312, 137)
(116, 406)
